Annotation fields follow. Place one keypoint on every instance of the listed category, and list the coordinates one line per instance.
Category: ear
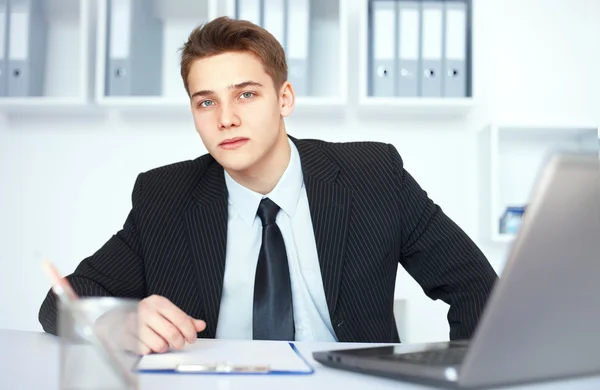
(287, 99)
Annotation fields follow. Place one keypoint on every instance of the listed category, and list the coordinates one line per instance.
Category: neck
(263, 176)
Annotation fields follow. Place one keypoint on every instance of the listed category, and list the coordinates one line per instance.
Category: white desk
(29, 360)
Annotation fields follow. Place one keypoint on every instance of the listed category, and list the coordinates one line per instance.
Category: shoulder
(359, 156)
(173, 180)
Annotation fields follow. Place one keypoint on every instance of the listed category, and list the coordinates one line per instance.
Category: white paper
(18, 36)
(120, 29)
(2, 29)
(278, 355)
(432, 33)
(409, 34)
(455, 34)
(384, 26)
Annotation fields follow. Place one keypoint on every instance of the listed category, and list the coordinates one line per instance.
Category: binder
(455, 50)
(26, 48)
(431, 49)
(274, 19)
(298, 37)
(3, 46)
(408, 48)
(249, 10)
(383, 27)
(135, 44)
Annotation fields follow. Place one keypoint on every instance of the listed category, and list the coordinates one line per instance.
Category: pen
(63, 289)
(61, 286)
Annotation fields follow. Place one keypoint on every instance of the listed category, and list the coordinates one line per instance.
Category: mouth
(233, 143)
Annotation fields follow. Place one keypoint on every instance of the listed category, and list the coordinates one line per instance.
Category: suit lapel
(330, 206)
(207, 232)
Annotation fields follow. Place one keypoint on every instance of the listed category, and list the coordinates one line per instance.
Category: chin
(235, 163)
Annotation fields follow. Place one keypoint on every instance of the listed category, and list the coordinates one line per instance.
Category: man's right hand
(162, 325)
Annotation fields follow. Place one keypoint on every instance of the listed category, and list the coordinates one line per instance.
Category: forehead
(220, 71)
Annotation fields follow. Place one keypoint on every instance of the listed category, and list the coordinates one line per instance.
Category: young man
(272, 237)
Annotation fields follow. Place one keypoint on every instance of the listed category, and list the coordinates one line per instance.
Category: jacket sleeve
(116, 269)
(440, 256)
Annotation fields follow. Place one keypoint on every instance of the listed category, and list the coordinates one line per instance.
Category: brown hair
(224, 34)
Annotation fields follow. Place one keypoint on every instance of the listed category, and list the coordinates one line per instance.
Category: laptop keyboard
(441, 357)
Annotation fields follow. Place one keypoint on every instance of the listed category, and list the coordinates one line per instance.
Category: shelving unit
(391, 33)
(325, 67)
(146, 54)
(49, 79)
(512, 156)
(138, 68)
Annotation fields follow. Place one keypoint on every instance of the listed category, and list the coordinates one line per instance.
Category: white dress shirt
(244, 236)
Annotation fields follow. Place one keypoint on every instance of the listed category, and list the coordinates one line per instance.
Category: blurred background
(474, 94)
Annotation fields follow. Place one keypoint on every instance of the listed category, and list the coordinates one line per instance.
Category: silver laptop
(542, 320)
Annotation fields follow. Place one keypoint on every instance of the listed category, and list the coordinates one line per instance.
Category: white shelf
(160, 105)
(67, 28)
(327, 54)
(141, 102)
(513, 157)
(431, 108)
(420, 106)
(45, 105)
(317, 106)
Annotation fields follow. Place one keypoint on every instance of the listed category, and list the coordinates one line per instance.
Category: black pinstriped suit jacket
(368, 215)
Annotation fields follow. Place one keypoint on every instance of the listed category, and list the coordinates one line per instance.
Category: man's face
(236, 109)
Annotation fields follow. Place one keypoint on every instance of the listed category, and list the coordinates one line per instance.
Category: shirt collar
(285, 194)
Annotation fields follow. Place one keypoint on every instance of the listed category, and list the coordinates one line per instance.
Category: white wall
(65, 181)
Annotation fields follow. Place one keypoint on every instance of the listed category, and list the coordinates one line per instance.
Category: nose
(228, 117)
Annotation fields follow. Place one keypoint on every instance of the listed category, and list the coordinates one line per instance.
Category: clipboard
(229, 357)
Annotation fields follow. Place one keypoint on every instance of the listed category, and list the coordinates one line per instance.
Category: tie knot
(267, 211)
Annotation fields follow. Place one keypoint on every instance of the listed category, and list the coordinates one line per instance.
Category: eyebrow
(245, 84)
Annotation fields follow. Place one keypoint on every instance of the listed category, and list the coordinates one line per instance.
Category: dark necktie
(273, 315)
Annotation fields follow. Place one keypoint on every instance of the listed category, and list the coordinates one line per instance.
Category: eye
(206, 103)
(247, 95)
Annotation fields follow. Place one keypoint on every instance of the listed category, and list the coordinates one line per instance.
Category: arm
(116, 269)
(440, 256)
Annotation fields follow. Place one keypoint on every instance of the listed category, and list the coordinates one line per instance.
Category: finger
(199, 325)
(176, 316)
(152, 340)
(133, 343)
(165, 329)
(131, 330)
(143, 349)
